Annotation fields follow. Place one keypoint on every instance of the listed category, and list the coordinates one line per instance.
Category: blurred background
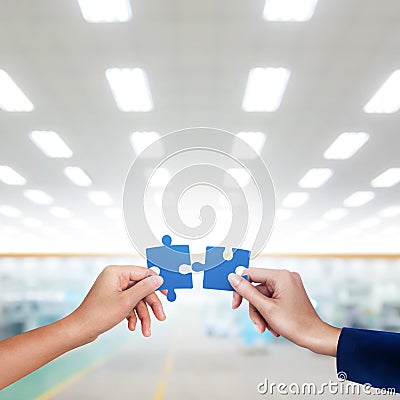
(85, 85)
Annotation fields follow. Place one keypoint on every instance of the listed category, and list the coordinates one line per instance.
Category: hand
(280, 304)
(119, 292)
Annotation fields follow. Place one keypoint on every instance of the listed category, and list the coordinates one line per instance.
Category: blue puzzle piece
(216, 268)
(168, 259)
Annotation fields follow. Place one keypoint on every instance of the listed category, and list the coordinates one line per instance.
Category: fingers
(249, 292)
(141, 309)
(154, 302)
(134, 272)
(257, 319)
(132, 320)
(276, 334)
(236, 300)
(142, 289)
(144, 316)
(262, 275)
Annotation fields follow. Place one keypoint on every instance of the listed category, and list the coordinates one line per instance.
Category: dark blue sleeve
(370, 357)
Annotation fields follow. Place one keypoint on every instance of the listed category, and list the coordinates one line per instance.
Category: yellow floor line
(71, 380)
(159, 394)
(168, 365)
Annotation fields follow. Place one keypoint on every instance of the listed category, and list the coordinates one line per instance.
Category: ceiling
(197, 57)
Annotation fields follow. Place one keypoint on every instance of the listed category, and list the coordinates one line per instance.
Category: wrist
(77, 329)
(324, 340)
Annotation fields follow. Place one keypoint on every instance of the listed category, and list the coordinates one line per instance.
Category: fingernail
(234, 279)
(158, 280)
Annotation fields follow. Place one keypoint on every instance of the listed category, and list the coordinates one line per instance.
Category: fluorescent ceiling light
(141, 140)
(60, 212)
(38, 197)
(315, 177)
(255, 140)
(335, 214)
(265, 89)
(295, 199)
(11, 177)
(289, 10)
(369, 222)
(11, 96)
(346, 145)
(283, 215)
(358, 199)
(160, 178)
(387, 99)
(130, 89)
(105, 10)
(390, 212)
(50, 144)
(10, 211)
(77, 176)
(32, 222)
(388, 178)
(241, 176)
(100, 198)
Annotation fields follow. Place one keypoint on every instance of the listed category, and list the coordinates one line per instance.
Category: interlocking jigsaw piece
(216, 268)
(168, 259)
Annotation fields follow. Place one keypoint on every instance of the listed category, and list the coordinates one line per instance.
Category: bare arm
(118, 293)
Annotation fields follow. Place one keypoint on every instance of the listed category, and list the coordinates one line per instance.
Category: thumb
(143, 288)
(249, 292)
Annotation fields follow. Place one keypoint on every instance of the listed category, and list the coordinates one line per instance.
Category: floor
(181, 362)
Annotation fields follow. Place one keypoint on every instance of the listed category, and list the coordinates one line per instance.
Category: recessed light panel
(140, 140)
(51, 144)
(77, 176)
(61, 212)
(387, 99)
(11, 96)
(358, 199)
(160, 177)
(315, 177)
(10, 177)
(97, 11)
(10, 211)
(289, 10)
(130, 89)
(38, 197)
(295, 199)
(265, 89)
(335, 214)
(346, 145)
(388, 178)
